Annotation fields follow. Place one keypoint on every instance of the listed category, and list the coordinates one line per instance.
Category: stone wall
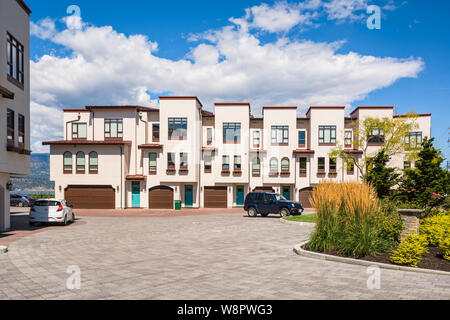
(411, 220)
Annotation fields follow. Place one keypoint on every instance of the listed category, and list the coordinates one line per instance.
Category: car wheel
(20, 204)
(65, 222)
(252, 212)
(284, 212)
(73, 218)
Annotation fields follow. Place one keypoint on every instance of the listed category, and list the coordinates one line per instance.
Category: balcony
(225, 172)
(183, 171)
(285, 173)
(237, 172)
(171, 171)
(273, 174)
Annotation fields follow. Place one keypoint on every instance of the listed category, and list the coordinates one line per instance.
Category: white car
(51, 210)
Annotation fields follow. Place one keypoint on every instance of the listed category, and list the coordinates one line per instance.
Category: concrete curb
(296, 222)
(321, 256)
(3, 249)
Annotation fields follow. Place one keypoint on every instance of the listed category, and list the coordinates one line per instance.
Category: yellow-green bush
(435, 228)
(445, 248)
(410, 251)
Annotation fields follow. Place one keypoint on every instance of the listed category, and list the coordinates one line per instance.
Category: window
(15, 60)
(208, 162)
(225, 163)
(21, 128)
(413, 139)
(285, 164)
(256, 139)
(93, 162)
(280, 134)
(321, 165)
(273, 165)
(376, 137)
(81, 162)
(79, 131)
(348, 138)
(237, 163)
(10, 125)
(171, 160)
(177, 128)
(301, 138)
(256, 167)
(183, 160)
(332, 165)
(155, 132)
(152, 166)
(350, 166)
(113, 128)
(327, 134)
(231, 133)
(209, 136)
(302, 162)
(406, 165)
(67, 162)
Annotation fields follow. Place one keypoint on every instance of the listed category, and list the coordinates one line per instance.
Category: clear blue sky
(411, 29)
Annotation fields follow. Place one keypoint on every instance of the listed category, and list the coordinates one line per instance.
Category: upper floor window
(321, 165)
(113, 128)
(155, 132)
(225, 163)
(21, 128)
(348, 138)
(152, 166)
(376, 136)
(273, 165)
(256, 139)
(302, 163)
(406, 164)
(79, 131)
(81, 162)
(171, 160)
(301, 138)
(183, 160)
(208, 162)
(414, 139)
(280, 134)
(67, 165)
(10, 125)
(177, 128)
(237, 163)
(93, 162)
(209, 136)
(15, 60)
(350, 166)
(332, 165)
(231, 133)
(327, 134)
(256, 166)
(285, 164)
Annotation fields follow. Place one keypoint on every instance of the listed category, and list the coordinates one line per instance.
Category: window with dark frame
(376, 136)
(280, 135)
(10, 126)
(273, 164)
(177, 128)
(183, 160)
(332, 165)
(302, 163)
(225, 163)
(285, 165)
(79, 130)
(113, 128)
(155, 132)
(348, 138)
(81, 162)
(15, 59)
(256, 139)
(93, 162)
(21, 129)
(406, 164)
(207, 157)
(256, 167)
(67, 162)
(171, 160)
(237, 163)
(152, 164)
(231, 132)
(209, 136)
(413, 140)
(321, 165)
(327, 134)
(301, 138)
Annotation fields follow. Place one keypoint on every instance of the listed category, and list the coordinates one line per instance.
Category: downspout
(93, 126)
(146, 137)
(78, 119)
(121, 177)
(200, 159)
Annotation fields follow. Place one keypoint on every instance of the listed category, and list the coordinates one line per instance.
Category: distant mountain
(39, 179)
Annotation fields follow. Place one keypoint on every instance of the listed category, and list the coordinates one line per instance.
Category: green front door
(240, 196)
(287, 193)
(188, 196)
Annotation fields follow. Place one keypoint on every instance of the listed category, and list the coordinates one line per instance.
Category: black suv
(266, 203)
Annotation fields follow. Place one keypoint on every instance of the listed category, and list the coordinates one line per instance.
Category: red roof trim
(371, 107)
(304, 151)
(180, 98)
(280, 107)
(96, 142)
(5, 93)
(353, 151)
(151, 146)
(324, 107)
(407, 115)
(136, 177)
(222, 104)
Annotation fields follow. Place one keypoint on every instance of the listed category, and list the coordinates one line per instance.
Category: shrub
(436, 228)
(445, 248)
(410, 251)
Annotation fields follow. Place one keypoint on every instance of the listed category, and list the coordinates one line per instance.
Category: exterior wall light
(9, 185)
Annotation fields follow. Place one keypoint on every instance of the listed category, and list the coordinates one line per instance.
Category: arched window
(67, 162)
(256, 167)
(93, 162)
(285, 164)
(81, 162)
(274, 165)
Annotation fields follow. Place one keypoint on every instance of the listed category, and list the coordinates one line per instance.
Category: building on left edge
(14, 99)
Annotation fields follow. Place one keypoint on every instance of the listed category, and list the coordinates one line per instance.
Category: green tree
(381, 177)
(427, 183)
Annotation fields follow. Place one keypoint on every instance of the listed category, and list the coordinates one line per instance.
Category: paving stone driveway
(193, 257)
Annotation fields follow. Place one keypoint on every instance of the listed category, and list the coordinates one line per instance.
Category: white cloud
(47, 124)
(43, 29)
(108, 67)
(346, 9)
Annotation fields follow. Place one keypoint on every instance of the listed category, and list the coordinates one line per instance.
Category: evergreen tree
(379, 175)
(427, 183)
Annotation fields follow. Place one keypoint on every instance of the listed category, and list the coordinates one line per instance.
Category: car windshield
(46, 203)
(279, 197)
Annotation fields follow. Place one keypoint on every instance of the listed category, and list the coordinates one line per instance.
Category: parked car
(264, 203)
(18, 200)
(51, 210)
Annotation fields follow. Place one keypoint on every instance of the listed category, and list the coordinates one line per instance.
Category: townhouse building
(14, 99)
(140, 157)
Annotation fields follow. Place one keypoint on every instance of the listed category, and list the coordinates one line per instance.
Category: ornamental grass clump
(350, 220)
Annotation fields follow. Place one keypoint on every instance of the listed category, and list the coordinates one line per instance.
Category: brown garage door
(216, 197)
(91, 197)
(160, 198)
(304, 196)
(264, 189)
